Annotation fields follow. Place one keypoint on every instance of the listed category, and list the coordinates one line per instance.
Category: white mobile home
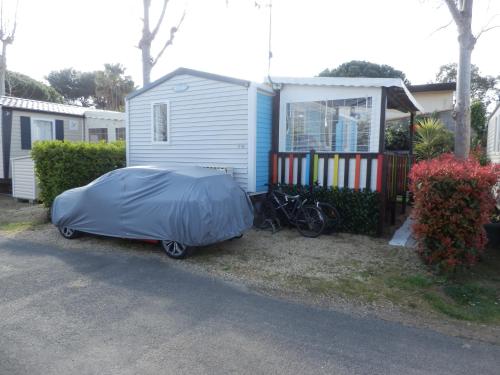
(25, 121)
(190, 117)
(493, 137)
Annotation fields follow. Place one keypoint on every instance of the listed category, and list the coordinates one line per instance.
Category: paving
(69, 311)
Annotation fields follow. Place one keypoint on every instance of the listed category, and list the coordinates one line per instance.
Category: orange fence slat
(275, 169)
(380, 163)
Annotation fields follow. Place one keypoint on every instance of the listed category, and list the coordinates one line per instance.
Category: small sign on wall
(73, 125)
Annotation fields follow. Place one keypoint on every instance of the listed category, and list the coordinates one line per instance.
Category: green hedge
(60, 166)
(359, 210)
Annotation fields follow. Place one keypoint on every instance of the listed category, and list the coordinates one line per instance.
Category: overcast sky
(232, 39)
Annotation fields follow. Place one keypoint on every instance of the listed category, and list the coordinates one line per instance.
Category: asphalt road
(89, 312)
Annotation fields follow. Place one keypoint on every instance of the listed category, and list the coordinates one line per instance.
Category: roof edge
(196, 73)
(494, 112)
(446, 86)
(42, 111)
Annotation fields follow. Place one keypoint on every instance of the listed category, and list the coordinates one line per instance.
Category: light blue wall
(263, 146)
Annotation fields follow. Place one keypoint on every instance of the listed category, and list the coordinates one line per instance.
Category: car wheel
(174, 249)
(69, 233)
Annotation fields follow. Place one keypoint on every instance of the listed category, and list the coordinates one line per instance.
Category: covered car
(180, 207)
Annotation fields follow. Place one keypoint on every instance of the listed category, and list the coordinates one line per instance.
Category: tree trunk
(466, 41)
(146, 63)
(462, 106)
(3, 68)
(145, 46)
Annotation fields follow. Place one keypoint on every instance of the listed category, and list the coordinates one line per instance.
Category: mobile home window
(329, 125)
(160, 122)
(120, 134)
(42, 130)
(98, 135)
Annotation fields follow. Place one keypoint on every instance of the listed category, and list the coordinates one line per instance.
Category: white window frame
(107, 135)
(167, 102)
(32, 127)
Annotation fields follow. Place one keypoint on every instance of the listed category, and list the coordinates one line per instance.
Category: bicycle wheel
(265, 213)
(332, 216)
(310, 221)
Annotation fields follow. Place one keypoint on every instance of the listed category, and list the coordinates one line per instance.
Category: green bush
(397, 135)
(432, 139)
(60, 166)
(359, 210)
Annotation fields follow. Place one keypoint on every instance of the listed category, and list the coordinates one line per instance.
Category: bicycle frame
(283, 205)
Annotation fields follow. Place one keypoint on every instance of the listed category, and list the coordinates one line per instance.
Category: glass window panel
(42, 130)
(329, 126)
(160, 122)
(98, 135)
(120, 134)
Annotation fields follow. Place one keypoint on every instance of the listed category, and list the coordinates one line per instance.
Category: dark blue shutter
(25, 133)
(60, 130)
(6, 126)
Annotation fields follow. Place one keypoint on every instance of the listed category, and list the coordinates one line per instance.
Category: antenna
(270, 55)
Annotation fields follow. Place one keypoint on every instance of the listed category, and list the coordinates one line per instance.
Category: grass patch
(412, 282)
(343, 287)
(470, 302)
(16, 227)
(467, 302)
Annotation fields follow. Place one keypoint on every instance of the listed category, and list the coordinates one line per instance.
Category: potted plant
(493, 228)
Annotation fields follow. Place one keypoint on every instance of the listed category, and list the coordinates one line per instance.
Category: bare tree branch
(487, 26)
(441, 28)
(484, 30)
(6, 36)
(455, 12)
(170, 41)
(160, 20)
(2, 27)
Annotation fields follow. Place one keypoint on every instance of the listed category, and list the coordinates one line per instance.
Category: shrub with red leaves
(453, 201)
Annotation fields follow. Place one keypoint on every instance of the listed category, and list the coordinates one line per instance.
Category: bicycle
(332, 216)
(307, 218)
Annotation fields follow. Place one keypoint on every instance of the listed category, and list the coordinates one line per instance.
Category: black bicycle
(307, 218)
(331, 215)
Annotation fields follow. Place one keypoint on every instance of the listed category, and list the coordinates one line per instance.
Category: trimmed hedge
(359, 210)
(453, 201)
(60, 166)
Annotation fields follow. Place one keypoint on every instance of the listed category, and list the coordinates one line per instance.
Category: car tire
(175, 249)
(69, 233)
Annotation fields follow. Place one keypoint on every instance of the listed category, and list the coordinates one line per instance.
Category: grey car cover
(194, 206)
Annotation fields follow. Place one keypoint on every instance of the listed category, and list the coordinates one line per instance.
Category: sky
(230, 37)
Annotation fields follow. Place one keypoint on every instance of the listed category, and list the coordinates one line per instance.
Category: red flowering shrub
(453, 201)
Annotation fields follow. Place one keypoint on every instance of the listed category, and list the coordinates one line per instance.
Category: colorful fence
(386, 173)
(356, 171)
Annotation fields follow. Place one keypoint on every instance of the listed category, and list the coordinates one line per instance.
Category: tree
(112, 85)
(356, 68)
(482, 88)
(74, 86)
(148, 35)
(461, 13)
(22, 86)
(7, 34)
